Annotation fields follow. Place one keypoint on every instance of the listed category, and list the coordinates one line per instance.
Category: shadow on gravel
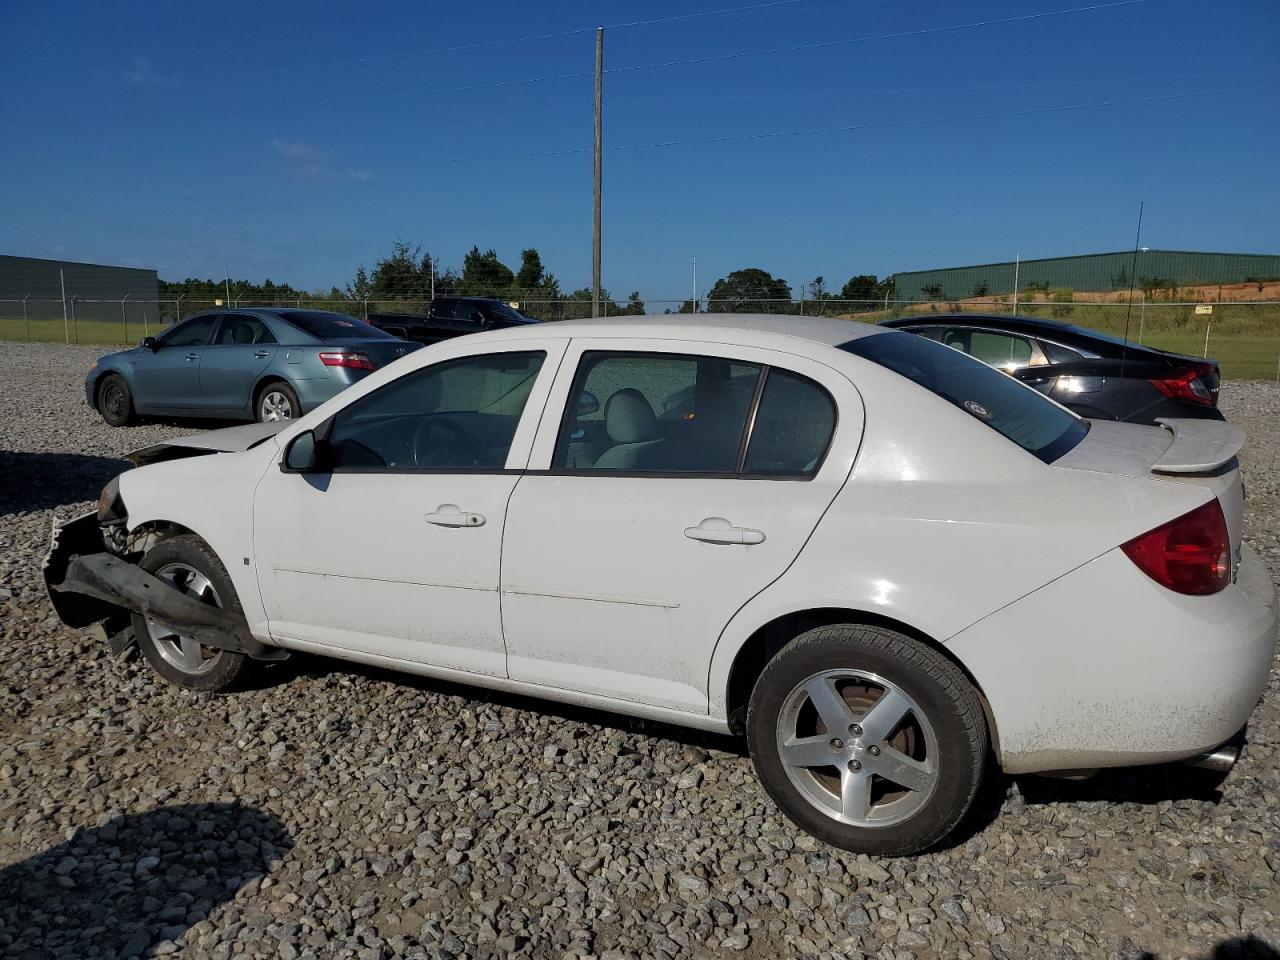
(316, 666)
(1243, 948)
(41, 481)
(138, 880)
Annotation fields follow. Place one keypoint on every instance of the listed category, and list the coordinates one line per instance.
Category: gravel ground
(341, 811)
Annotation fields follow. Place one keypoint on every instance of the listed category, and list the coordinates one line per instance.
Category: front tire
(188, 564)
(115, 401)
(867, 739)
(276, 401)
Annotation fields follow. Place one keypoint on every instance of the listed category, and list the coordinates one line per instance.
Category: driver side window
(457, 415)
(196, 332)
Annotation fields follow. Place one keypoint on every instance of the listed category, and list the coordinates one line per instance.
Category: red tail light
(356, 361)
(1191, 554)
(1185, 386)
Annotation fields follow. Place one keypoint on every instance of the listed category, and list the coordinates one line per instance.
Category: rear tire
(188, 564)
(897, 787)
(276, 401)
(115, 401)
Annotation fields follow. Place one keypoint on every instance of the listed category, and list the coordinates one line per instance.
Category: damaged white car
(885, 563)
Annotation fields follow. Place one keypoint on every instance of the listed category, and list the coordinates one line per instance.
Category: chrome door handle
(720, 530)
(262, 354)
(193, 356)
(448, 515)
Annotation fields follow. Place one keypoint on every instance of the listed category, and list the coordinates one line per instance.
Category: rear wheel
(868, 739)
(277, 401)
(115, 401)
(187, 564)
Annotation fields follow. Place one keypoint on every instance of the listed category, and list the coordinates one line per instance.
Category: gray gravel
(339, 811)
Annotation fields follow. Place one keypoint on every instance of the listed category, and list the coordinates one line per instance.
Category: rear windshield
(1036, 424)
(332, 326)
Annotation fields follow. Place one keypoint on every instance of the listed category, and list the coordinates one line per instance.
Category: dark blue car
(251, 364)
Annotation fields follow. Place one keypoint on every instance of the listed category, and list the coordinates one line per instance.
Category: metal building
(97, 290)
(1093, 272)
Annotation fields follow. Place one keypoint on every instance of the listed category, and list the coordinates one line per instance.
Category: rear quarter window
(1018, 413)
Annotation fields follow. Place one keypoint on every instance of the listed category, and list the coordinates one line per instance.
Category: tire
(115, 401)
(938, 746)
(187, 562)
(276, 401)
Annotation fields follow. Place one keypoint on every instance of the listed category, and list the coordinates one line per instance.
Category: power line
(903, 34)
(399, 95)
(863, 91)
(508, 41)
(853, 128)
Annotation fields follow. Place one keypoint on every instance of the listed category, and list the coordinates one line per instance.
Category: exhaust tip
(1219, 760)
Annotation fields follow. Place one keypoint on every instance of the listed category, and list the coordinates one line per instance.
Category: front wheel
(277, 401)
(115, 401)
(867, 739)
(187, 564)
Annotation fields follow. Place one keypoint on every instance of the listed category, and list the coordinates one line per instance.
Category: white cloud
(306, 161)
(143, 73)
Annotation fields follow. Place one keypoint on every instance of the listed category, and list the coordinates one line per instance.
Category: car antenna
(1133, 268)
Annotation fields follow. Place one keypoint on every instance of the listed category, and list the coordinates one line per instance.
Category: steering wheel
(439, 442)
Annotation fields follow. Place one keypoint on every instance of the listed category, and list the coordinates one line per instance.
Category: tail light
(1186, 386)
(1191, 554)
(354, 361)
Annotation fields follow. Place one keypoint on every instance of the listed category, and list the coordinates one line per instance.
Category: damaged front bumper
(92, 589)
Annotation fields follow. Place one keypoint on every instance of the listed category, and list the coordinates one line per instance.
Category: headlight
(93, 366)
(110, 506)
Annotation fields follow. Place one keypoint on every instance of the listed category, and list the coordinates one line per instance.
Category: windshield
(1035, 423)
(332, 326)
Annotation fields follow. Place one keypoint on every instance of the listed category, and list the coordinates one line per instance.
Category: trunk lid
(1197, 452)
(379, 351)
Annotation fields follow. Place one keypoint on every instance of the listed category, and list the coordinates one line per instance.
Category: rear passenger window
(793, 426)
(656, 413)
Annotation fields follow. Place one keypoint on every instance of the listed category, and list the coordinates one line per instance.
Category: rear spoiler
(1199, 446)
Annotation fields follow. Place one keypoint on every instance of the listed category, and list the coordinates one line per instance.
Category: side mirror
(588, 403)
(151, 343)
(303, 454)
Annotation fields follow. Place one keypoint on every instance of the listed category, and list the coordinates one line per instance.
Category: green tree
(361, 288)
(635, 306)
(484, 275)
(531, 275)
(862, 287)
(403, 275)
(749, 291)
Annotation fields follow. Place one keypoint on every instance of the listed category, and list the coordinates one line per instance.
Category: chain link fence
(1243, 336)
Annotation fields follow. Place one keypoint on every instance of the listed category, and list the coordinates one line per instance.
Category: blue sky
(185, 137)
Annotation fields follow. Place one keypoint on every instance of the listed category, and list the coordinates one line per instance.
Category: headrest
(628, 418)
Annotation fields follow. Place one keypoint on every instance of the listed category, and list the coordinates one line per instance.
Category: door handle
(720, 530)
(448, 515)
(262, 354)
(193, 356)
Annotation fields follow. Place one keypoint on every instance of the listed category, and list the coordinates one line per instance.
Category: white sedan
(887, 564)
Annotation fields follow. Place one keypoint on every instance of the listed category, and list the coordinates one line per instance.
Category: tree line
(410, 273)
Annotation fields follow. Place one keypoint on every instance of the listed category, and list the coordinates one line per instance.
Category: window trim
(578, 383)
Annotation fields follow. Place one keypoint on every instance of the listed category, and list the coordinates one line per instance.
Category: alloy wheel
(183, 652)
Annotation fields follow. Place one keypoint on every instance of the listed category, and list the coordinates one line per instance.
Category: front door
(678, 486)
(168, 379)
(394, 550)
(241, 351)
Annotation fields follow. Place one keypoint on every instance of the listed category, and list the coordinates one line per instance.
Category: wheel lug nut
(855, 765)
(874, 751)
(836, 743)
(855, 730)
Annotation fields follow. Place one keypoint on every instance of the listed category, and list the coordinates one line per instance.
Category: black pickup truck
(449, 317)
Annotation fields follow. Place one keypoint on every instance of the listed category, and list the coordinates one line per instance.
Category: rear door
(168, 380)
(669, 483)
(241, 351)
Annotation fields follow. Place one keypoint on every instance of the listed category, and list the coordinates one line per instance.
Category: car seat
(633, 429)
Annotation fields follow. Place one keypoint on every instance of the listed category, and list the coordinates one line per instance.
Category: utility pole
(694, 301)
(66, 327)
(595, 231)
(226, 273)
(124, 316)
(1017, 262)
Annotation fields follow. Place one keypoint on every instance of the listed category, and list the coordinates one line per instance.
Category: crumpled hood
(226, 440)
